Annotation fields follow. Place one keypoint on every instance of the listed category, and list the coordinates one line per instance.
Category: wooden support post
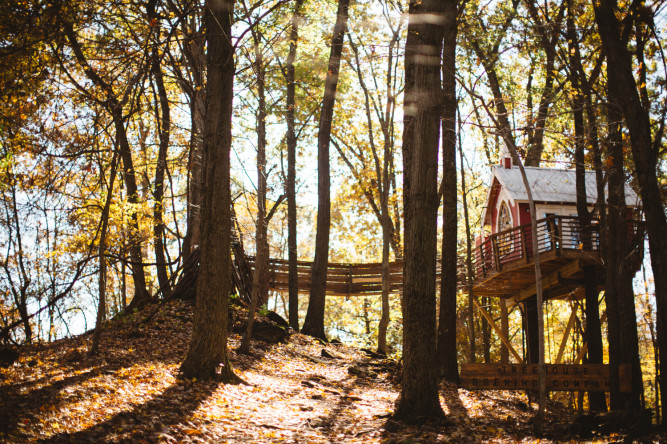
(531, 327)
(582, 353)
(502, 337)
(566, 335)
(504, 327)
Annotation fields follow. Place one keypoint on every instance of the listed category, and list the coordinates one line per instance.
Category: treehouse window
(506, 240)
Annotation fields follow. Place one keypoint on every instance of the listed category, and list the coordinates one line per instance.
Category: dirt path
(294, 394)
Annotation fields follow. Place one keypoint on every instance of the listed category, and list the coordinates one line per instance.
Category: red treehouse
(503, 256)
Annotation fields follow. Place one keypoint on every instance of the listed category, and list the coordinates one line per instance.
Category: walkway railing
(554, 234)
(344, 279)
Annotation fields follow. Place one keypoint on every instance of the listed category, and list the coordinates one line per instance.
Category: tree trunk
(530, 327)
(259, 280)
(207, 355)
(624, 95)
(290, 79)
(141, 296)
(419, 392)
(622, 325)
(193, 50)
(549, 34)
(383, 325)
(20, 295)
(313, 325)
(164, 127)
(102, 281)
(115, 109)
(446, 343)
(469, 267)
(597, 400)
(539, 423)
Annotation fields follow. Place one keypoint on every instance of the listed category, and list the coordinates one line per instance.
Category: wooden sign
(559, 377)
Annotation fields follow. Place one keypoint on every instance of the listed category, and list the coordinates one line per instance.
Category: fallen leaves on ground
(299, 392)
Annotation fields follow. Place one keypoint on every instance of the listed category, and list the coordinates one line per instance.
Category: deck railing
(554, 233)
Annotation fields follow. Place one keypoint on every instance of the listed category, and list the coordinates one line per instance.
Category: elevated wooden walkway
(344, 279)
(503, 264)
(351, 279)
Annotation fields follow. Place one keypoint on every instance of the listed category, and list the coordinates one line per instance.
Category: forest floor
(131, 392)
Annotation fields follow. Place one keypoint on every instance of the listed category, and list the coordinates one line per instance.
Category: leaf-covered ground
(298, 392)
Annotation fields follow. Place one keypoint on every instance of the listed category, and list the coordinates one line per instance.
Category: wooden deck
(504, 262)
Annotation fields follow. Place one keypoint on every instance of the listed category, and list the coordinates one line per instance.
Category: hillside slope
(297, 391)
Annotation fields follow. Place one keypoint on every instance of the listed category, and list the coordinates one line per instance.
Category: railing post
(496, 254)
(551, 230)
(524, 246)
(558, 224)
(482, 257)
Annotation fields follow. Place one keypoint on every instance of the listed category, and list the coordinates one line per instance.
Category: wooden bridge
(343, 279)
(502, 264)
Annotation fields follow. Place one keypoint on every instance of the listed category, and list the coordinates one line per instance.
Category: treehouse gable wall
(502, 195)
(520, 211)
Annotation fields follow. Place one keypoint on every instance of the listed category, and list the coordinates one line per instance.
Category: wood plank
(584, 347)
(502, 337)
(566, 335)
(559, 377)
(550, 280)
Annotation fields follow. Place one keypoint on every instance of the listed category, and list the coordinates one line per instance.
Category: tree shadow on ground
(247, 361)
(27, 401)
(457, 411)
(432, 429)
(147, 422)
(68, 365)
(329, 423)
(27, 404)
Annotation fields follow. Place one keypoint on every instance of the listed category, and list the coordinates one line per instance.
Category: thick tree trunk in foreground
(419, 392)
(208, 345)
(624, 94)
(446, 344)
(313, 325)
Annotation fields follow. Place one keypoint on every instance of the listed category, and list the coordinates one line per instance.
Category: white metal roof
(552, 185)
